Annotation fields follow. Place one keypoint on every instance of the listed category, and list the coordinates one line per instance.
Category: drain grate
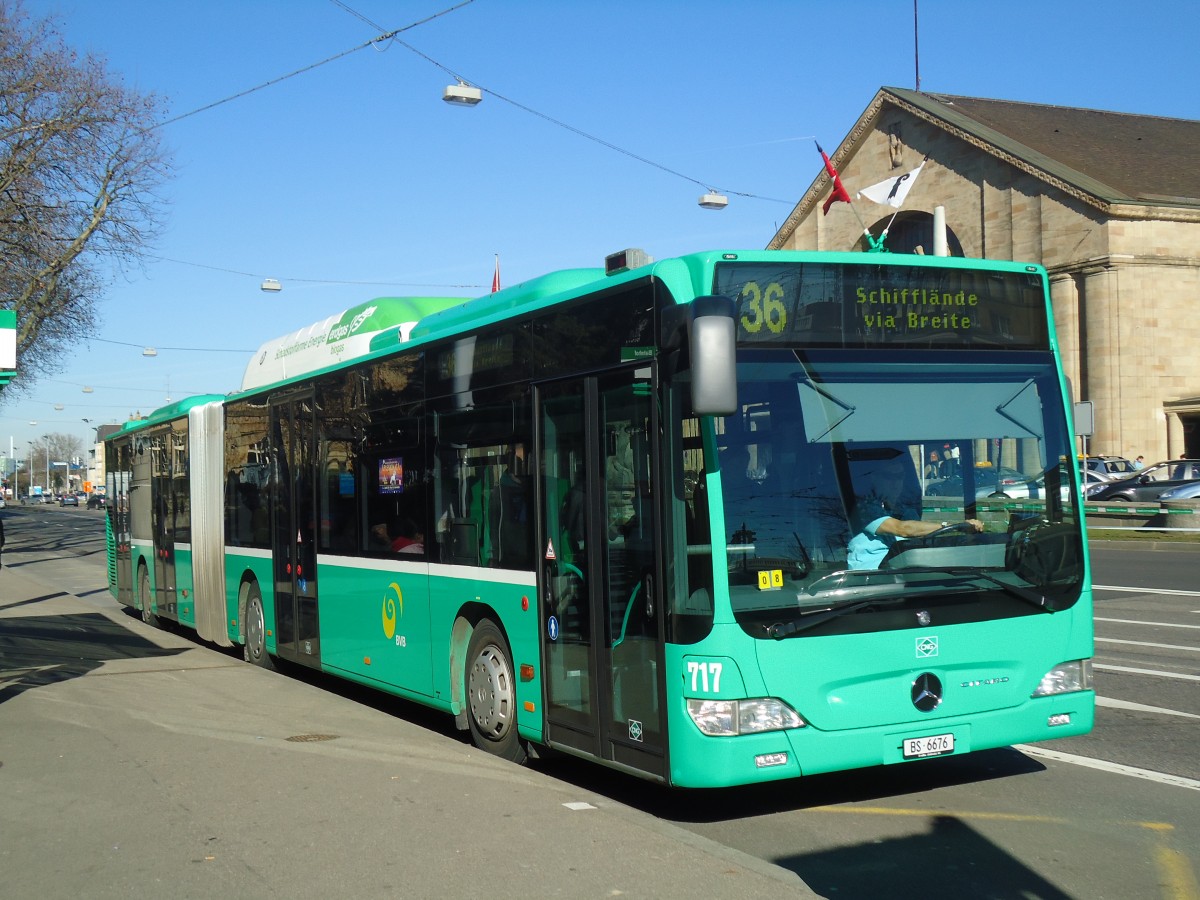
(311, 738)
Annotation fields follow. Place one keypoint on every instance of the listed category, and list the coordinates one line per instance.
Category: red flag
(840, 194)
(496, 277)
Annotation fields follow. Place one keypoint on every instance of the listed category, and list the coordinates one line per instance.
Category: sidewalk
(135, 763)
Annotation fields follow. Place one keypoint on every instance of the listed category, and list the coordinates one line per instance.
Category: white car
(1022, 489)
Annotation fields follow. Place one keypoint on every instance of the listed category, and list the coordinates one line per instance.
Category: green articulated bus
(713, 520)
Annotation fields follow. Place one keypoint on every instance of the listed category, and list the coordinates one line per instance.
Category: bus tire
(144, 598)
(255, 650)
(492, 694)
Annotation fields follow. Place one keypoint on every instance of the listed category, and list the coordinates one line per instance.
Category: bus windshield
(827, 444)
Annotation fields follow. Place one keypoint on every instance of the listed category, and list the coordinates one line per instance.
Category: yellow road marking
(1177, 879)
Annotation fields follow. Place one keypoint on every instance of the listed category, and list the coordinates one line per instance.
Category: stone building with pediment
(1108, 202)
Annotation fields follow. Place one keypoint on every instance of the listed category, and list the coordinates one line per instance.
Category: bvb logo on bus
(393, 601)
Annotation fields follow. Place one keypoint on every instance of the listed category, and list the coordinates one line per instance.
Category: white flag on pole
(892, 191)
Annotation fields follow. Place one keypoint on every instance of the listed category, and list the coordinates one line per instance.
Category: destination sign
(871, 305)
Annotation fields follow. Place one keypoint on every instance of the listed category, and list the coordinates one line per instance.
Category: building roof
(1120, 163)
(1114, 157)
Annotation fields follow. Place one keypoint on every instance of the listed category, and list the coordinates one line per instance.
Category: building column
(1064, 303)
(1175, 441)
(1101, 313)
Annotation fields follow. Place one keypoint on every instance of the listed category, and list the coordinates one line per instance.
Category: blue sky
(354, 180)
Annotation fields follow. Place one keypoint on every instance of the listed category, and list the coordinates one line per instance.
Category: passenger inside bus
(410, 540)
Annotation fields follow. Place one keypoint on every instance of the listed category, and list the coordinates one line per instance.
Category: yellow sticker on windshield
(770, 579)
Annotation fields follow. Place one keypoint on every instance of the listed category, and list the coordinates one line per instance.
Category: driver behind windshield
(887, 510)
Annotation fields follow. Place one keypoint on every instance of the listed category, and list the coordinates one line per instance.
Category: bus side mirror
(712, 336)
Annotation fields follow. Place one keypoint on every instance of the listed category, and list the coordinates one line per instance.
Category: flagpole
(888, 227)
(840, 194)
(871, 242)
(916, 47)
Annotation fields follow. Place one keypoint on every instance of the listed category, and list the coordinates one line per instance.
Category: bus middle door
(162, 523)
(294, 530)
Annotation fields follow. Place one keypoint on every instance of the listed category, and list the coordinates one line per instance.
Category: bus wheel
(148, 615)
(492, 694)
(255, 651)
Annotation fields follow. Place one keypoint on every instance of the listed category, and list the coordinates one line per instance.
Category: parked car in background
(1035, 489)
(1148, 483)
(1189, 491)
(1113, 466)
(991, 482)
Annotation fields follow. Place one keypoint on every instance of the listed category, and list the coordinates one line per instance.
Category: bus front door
(598, 569)
(293, 526)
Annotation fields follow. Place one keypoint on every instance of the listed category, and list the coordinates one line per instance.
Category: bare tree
(44, 463)
(80, 167)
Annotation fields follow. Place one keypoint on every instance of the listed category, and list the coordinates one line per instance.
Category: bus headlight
(1066, 678)
(724, 718)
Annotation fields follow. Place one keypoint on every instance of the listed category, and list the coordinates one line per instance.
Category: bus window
(689, 564)
(481, 486)
(247, 473)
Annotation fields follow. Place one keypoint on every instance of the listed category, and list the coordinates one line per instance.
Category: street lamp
(462, 94)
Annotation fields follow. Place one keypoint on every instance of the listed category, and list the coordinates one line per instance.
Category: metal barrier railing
(1150, 513)
(1122, 512)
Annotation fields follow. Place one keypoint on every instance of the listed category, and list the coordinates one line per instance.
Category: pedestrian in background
(1139, 463)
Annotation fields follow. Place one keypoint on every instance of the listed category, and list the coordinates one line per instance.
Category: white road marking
(1141, 707)
(1148, 644)
(1132, 671)
(1139, 622)
(1104, 766)
(1137, 590)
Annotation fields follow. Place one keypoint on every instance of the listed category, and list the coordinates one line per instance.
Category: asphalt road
(138, 763)
(1110, 814)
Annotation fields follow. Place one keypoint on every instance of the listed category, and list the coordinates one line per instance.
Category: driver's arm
(914, 528)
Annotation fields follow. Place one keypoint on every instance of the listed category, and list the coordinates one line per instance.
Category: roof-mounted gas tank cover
(624, 260)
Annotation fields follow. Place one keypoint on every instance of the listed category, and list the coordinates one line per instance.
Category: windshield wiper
(813, 618)
(780, 630)
(1033, 598)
